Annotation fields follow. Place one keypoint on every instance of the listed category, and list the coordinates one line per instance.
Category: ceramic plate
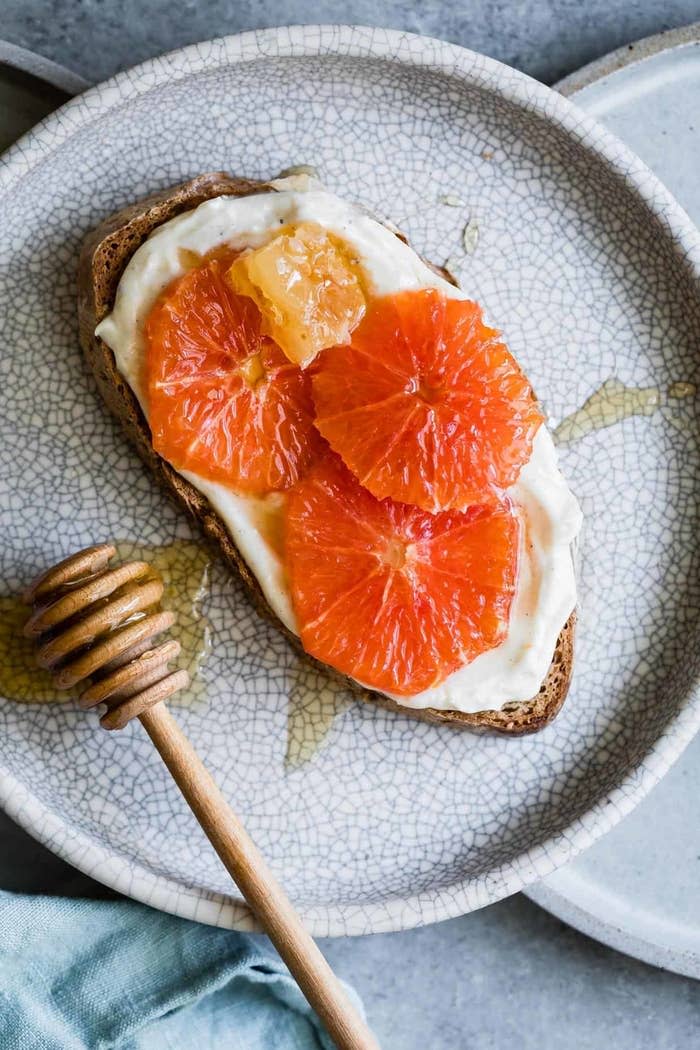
(30, 87)
(373, 821)
(637, 889)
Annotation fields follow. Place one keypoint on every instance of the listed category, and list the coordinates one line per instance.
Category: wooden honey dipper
(94, 626)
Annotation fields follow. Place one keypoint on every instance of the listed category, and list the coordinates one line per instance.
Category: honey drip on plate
(20, 678)
(184, 568)
(314, 702)
(613, 402)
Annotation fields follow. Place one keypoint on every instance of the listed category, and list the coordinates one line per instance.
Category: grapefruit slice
(306, 283)
(426, 405)
(224, 401)
(393, 596)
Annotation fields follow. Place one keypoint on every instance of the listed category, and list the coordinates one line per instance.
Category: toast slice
(104, 257)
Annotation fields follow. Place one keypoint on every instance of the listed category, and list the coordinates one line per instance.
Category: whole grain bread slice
(104, 257)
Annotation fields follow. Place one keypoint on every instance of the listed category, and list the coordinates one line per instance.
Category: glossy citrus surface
(393, 596)
(307, 286)
(224, 401)
(426, 405)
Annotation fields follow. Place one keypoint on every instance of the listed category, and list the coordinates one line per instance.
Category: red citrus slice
(224, 401)
(426, 404)
(393, 596)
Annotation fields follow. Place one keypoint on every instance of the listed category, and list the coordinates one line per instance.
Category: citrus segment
(393, 596)
(224, 401)
(426, 404)
(307, 286)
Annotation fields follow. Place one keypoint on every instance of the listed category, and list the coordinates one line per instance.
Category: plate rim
(644, 949)
(41, 68)
(571, 909)
(627, 55)
(409, 49)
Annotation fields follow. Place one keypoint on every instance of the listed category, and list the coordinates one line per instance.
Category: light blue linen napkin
(97, 975)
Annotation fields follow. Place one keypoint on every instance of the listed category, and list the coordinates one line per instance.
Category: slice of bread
(105, 255)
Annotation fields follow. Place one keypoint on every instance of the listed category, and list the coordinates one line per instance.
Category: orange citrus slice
(426, 404)
(224, 401)
(393, 596)
(306, 283)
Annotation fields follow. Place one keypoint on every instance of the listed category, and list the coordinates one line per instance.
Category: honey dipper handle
(258, 885)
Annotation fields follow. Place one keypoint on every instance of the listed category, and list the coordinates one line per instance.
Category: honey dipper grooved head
(95, 625)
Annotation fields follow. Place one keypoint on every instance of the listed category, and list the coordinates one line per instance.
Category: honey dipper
(95, 626)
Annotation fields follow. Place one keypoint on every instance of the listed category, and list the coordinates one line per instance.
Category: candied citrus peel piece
(308, 287)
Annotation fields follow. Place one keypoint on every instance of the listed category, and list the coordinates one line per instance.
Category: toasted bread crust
(104, 257)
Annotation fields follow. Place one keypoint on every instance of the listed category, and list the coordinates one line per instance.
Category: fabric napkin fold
(97, 975)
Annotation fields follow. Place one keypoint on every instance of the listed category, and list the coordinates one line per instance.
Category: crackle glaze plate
(373, 821)
(637, 889)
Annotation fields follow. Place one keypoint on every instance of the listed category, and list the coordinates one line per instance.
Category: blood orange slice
(393, 596)
(224, 401)
(426, 404)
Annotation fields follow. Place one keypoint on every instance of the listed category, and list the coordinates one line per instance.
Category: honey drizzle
(184, 568)
(314, 702)
(614, 401)
(20, 678)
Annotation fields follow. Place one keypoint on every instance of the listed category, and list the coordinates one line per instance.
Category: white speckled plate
(637, 889)
(592, 270)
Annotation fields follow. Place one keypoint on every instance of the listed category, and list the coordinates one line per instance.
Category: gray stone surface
(546, 38)
(509, 975)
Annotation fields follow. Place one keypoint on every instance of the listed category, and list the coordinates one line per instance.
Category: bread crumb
(470, 237)
(451, 200)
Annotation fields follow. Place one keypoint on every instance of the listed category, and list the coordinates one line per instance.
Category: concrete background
(546, 38)
(509, 976)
